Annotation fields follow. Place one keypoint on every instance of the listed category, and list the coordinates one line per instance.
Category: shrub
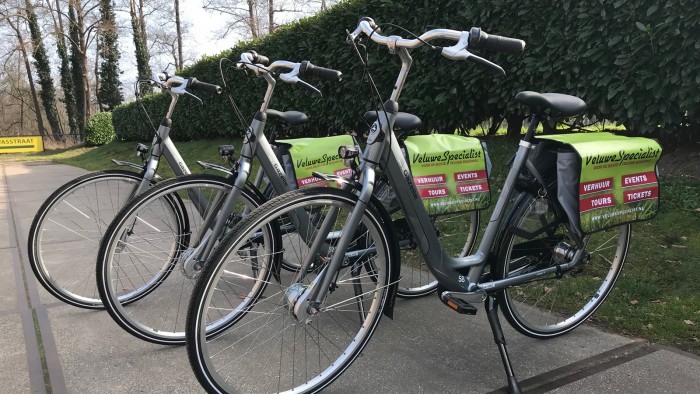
(99, 129)
(636, 62)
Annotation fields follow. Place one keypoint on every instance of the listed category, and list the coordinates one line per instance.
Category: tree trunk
(252, 19)
(35, 98)
(515, 124)
(271, 16)
(549, 127)
(97, 74)
(495, 125)
(107, 86)
(141, 50)
(43, 70)
(180, 61)
(84, 63)
(65, 70)
(78, 63)
(142, 22)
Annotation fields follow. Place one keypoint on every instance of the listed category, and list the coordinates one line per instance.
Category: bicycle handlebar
(474, 38)
(194, 84)
(302, 69)
(367, 26)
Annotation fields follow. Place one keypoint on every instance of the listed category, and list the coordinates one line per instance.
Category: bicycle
(63, 235)
(309, 325)
(143, 245)
(210, 225)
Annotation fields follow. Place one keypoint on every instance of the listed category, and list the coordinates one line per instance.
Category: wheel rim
(554, 306)
(269, 349)
(66, 244)
(147, 285)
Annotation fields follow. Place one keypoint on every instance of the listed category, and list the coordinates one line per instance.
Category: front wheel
(278, 342)
(554, 305)
(146, 266)
(66, 232)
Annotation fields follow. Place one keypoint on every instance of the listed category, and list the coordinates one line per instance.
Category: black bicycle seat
(404, 121)
(563, 103)
(292, 118)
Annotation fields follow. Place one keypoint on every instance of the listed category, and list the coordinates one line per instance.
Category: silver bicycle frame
(162, 145)
(455, 274)
(255, 144)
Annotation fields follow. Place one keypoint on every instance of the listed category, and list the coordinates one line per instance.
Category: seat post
(534, 122)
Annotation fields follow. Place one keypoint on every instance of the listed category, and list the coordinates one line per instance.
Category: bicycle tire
(76, 231)
(300, 351)
(141, 288)
(530, 307)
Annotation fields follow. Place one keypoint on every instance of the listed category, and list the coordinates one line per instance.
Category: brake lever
(487, 63)
(192, 95)
(464, 54)
(180, 89)
(459, 51)
(296, 81)
(309, 87)
(293, 78)
(350, 37)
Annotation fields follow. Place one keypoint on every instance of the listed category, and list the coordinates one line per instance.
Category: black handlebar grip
(308, 69)
(194, 84)
(479, 39)
(259, 59)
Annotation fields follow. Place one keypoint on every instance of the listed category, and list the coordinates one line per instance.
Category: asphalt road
(47, 346)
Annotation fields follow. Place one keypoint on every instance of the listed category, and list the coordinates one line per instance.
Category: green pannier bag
(300, 157)
(450, 171)
(605, 180)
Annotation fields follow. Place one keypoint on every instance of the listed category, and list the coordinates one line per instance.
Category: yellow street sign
(21, 144)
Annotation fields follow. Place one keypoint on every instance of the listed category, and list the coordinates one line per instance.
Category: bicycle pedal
(458, 305)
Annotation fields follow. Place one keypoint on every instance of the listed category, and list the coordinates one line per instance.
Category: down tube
(440, 264)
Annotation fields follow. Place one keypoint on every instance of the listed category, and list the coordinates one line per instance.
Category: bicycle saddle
(563, 103)
(292, 118)
(404, 121)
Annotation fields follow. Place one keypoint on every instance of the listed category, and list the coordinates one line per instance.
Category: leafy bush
(636, 62)
(99, 129)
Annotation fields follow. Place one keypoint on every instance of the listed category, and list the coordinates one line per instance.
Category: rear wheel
(551, 306)
(277, 344)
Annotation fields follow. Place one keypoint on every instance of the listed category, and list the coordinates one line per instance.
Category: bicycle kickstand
(491, 305)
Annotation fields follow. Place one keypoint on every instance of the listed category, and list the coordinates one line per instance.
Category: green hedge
(99, 129)
(636, 62)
